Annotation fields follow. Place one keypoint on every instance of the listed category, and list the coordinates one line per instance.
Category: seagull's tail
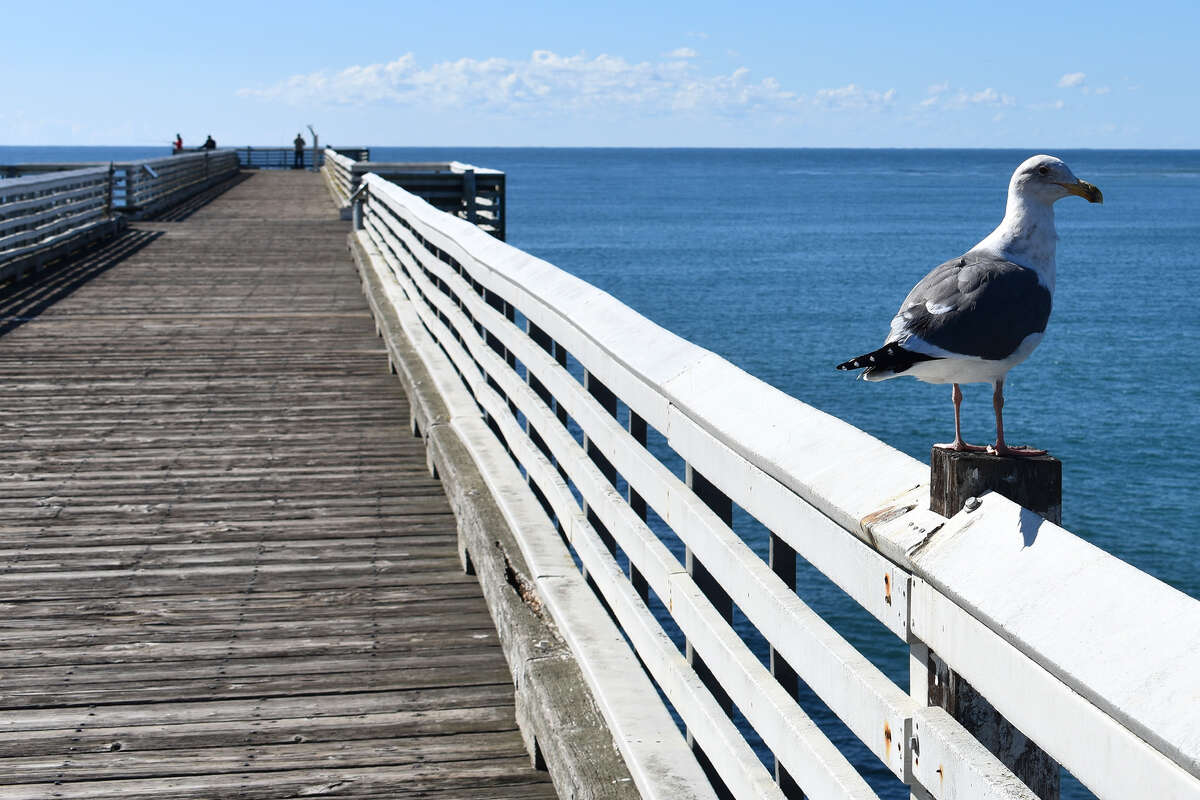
(886, 362)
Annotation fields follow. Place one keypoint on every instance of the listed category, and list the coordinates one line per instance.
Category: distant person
(298, 156)
(178, 143)
(210, 143)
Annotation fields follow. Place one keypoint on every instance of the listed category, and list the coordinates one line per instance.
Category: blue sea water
(789, 261)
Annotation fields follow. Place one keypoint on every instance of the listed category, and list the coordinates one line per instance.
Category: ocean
(787, 262)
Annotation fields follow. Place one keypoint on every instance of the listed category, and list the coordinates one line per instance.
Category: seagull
(975, 317)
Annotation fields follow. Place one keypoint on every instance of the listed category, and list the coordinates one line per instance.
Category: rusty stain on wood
(224, 567)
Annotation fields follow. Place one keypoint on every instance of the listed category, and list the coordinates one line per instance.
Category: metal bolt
(971, 504)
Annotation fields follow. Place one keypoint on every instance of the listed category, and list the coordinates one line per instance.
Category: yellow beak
(1085, 190)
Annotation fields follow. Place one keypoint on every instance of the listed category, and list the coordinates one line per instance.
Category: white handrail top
(32, 181)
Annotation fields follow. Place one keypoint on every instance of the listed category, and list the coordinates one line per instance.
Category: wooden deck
(225, 569)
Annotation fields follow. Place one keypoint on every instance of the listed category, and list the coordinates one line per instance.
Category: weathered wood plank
(344, 728)
(214, 760)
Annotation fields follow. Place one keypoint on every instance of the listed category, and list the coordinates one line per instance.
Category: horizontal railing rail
(1088, 657)
(472, 193)
(39, 212)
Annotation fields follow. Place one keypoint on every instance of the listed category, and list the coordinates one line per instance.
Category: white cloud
(1097, 90)
(543, 84)
(682, 52)
(1071, 80)
(940, 96)
(854, 97)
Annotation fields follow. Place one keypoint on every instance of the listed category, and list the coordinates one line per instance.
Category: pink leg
(958, 443)
(1000, 448)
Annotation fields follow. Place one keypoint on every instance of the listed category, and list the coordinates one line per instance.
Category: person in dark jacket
(210, 143)
(298, 157)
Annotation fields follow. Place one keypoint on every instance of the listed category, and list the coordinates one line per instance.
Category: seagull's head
(1047, 179)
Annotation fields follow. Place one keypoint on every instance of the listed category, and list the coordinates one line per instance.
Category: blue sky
(749, 74)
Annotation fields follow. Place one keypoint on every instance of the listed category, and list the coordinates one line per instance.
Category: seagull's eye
(1043, 170)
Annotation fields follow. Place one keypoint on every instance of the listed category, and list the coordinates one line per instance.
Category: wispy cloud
(1078, 80)
(854, 97)
(940, 96)
(545, 83)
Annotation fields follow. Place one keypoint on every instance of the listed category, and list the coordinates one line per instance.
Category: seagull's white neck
(1026, 235)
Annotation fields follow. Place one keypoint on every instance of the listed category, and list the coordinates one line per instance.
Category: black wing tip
(889, 357)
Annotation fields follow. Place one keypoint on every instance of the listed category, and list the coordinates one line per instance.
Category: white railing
(144, 187)
(1090, 658)
(339, 175)
(473, 193)
(40, 211)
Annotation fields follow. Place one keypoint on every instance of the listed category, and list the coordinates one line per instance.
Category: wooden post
(1036, 484)
(468, 194)
(638, 430)
(608, 401)
(782, 559)
(108, 199)
(722, 506)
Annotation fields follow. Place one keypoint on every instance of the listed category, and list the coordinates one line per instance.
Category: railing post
(468, 194)
(542, 340)
(608, 401)
(782, 558)
(638, 430)
(560, 355)
(108, 200)
(722, 506)
(955, 480)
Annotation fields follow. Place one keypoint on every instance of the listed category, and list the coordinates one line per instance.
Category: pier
(298, 505)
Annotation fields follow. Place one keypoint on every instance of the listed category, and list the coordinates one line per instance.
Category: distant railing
(39, 213)
(1093, 660)
(276, 158)
(145, 187)
(53, 206)
(472, 193)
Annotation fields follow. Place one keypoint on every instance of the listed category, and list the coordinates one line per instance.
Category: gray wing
(975, 306)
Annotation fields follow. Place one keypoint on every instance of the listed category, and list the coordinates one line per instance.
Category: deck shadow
(25, 299)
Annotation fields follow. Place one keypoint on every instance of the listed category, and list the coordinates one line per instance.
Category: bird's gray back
(974, 305)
